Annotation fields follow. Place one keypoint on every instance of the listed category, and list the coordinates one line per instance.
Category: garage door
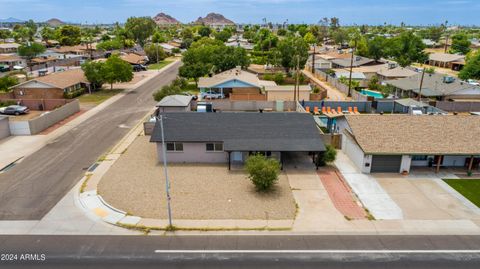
(386, 163)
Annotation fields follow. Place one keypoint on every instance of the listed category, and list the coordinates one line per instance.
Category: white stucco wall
(355, 153)
(192, 153)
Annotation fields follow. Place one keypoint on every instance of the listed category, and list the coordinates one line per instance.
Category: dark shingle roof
(243, 131)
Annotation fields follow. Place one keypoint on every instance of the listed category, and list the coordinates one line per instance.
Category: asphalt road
(31, 188)
(307, 251)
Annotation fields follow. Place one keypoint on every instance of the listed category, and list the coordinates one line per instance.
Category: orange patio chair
(339, 109)
(324, 110)
(355, 110)
(350, 110)
(315, 110)
(329, 110)
(307, 108)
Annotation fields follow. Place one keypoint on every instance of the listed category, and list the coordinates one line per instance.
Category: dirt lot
(135, 184)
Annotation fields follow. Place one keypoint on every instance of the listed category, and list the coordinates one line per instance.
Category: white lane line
(326, 251)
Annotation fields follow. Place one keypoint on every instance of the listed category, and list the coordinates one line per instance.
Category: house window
(175, 147)
(214, 147)
(419, 158)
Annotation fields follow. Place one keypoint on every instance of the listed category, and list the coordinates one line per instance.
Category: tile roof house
(446, 60)
(232, 136)
(11, 60)
(133, 58)
(436, 86)
(395, 73)
(9, 47)
(395, 143)
(347, 62)
(52, 86)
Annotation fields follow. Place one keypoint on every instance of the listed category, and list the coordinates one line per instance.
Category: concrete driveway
(423, 198)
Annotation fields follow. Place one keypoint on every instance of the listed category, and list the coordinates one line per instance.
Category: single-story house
(286, 93)
(12, 60)
(355, 75)
(395, 73)
(436, 86)
(52, 86)
(167, 47)
(346, 62)
(233, 81)
(447, 60)
(175, 103)
(9, 47)
(230, 137)
(398, 143)
(133, 58)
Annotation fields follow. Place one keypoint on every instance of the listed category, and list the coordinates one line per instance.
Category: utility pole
(297, 82)
(313, 59)
(421, 85)
(446, 43)
(351, 69)
(167, 182)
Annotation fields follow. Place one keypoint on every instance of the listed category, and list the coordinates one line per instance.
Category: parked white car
(473, 82)
(212, 95)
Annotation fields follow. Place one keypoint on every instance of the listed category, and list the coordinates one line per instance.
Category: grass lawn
(470, 188)
(160, 65)
(99, 96)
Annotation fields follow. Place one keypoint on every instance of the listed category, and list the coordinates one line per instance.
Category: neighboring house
(436, 86)
(233, 81)
(9, 47)
(429, 43)
(230, 137)
(167, 47)
(398, 143)
(447, 60)
(355, 75)
(286, 93)
(52, 86)
(346, 62)
(133, 58)
(395, 73)
(82, 50)
(12, 60)
(175, 103)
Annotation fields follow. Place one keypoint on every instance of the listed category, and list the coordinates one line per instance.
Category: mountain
(214, 19)
(54, 22)
(164, 19)
(11, 20)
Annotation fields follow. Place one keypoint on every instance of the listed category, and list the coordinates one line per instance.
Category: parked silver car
(212, 95)
(14, 110)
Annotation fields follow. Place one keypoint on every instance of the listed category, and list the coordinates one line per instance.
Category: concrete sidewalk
(15, 148)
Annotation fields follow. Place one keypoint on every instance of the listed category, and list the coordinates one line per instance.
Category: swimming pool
(375, 94)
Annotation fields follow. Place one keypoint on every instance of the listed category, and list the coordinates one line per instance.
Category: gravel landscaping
(136, 184)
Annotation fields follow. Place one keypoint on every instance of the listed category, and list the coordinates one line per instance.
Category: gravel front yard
(136, 184)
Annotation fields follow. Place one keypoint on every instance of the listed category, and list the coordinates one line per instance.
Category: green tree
(293, 50)
(116, 70)
(263, 171)
(155, 53)
(326, 157)
(460, 44)
(7, 82)
(69, 35)
(159, 37)
(223, 35)
(376, 48)
(112, 44)
(95, 73)
(373, 84)
(30, 50)
(187, 33)
(140, 28)
(176, 87)
(407, 48)
(471, 70)
(204, 31)
(47, 33)
(4, 34)
(310, 39)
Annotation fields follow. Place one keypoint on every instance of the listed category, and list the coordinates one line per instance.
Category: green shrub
(263, 171)
(328, 156)
(7, 103)
(74, 94)
(279, 78)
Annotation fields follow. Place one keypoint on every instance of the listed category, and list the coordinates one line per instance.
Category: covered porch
(237, 159)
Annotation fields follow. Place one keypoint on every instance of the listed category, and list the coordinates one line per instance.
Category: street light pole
(351, 69)
(167, 182)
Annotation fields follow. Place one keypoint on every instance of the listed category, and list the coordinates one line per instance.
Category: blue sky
(425, 12)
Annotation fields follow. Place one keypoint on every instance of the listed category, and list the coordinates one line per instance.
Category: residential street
(308, 251)
(31, 188)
